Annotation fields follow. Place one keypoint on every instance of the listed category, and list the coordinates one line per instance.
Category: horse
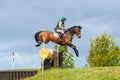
(46, 36)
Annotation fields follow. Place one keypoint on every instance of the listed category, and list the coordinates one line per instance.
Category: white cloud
(11, 45)
(25, 60)
(21, 60)
(6, 46)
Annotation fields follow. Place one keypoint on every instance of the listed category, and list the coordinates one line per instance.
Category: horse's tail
(37, 36)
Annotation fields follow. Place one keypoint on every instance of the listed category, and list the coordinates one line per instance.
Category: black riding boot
(61, 36)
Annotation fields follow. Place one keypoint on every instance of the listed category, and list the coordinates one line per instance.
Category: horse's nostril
(79, 37)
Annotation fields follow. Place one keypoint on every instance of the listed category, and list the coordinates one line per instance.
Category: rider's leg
(61, 36)
(61, 33)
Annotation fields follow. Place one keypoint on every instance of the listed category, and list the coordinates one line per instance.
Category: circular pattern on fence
(46, 53)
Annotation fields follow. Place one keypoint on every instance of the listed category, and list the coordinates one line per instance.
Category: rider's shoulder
(60, 22)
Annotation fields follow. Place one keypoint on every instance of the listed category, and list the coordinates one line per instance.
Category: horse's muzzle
(79, 36)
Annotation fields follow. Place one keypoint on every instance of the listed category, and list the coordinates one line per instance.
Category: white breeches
(60, 31)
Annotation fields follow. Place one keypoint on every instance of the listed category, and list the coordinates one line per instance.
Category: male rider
(60, 28)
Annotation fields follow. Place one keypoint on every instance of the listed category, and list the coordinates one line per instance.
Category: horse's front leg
(74, 48)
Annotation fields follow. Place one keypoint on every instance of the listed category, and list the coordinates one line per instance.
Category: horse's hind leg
(38, 43)
(37, 39)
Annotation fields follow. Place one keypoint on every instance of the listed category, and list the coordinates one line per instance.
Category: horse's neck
(71, 32)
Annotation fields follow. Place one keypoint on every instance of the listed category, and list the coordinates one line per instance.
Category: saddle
(56, 34)
(60, 35)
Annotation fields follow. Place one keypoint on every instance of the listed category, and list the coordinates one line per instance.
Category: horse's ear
(80, 27)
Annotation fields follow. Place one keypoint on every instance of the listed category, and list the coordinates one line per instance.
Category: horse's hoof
(37, 45)
(77, 55)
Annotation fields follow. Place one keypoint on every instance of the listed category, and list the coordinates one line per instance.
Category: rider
(60, 28)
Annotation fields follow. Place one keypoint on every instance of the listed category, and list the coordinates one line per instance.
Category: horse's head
(77, 30)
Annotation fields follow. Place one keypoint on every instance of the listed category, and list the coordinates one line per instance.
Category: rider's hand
(65, 28)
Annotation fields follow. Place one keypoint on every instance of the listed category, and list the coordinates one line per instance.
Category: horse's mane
(72, 28)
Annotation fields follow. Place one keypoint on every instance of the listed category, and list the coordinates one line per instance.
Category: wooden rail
(16, 74)
(56, 62)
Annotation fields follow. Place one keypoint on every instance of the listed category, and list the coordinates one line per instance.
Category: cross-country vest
(57, 26)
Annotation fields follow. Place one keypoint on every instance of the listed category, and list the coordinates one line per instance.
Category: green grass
(96, 73)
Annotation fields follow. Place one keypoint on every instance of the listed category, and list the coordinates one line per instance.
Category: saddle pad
(56, 34)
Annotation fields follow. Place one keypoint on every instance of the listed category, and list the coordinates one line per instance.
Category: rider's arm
(61, 26)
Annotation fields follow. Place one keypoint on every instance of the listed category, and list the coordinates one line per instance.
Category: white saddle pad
(56, 34)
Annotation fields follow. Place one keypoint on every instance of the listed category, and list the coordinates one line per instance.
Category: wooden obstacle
(16, 74)
(51, 58)
(56, 62)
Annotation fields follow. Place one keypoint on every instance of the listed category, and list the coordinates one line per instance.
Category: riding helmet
(63, 19)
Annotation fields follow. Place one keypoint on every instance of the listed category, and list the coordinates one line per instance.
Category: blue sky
(21, 19)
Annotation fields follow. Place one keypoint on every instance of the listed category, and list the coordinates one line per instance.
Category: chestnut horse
(46, 36)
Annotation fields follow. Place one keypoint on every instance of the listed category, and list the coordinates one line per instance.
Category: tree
(68, 61)
(103, 52)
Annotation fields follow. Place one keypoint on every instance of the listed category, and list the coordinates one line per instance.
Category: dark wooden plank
(16, 74)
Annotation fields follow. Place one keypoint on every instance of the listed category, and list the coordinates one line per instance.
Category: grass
(96, 73)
